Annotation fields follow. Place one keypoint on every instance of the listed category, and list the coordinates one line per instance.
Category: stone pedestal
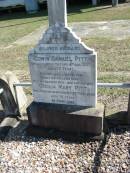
(66, 118)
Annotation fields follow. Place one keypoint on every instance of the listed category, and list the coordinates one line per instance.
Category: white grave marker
(63, 69)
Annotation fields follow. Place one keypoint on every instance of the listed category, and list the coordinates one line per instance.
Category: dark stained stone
(7, 100)
(66, 118)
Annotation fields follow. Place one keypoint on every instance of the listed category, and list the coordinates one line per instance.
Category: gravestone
(64, 78)
(94, 2)
(7, 100)
(114, 3)
(21, 98)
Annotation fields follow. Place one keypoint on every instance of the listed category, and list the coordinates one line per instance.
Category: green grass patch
(14, 59)
(113, 92)
(114, 78)
(16, 25)
(101, 13)
(113, 56)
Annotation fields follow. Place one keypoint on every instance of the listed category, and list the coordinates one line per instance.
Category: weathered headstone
(7, 100)
(63, 69)
(20, 98)
(114, 3)
(64, 78)
(94, 2)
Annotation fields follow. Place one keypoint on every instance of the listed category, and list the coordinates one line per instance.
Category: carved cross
(57, 12)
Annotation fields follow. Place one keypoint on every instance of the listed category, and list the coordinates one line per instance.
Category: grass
(113, 55)
(16, 25)
(113, 63)
(113, 58)
(14, 59)
(100, 13)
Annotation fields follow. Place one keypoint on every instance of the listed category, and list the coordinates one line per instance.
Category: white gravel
(22, 154)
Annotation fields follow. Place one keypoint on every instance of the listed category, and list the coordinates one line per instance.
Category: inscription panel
(63, 69)
(64, 78)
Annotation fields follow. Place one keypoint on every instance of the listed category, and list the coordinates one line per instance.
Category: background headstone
(94, 2)
(114, 3)
(11, 79)
(7, 100)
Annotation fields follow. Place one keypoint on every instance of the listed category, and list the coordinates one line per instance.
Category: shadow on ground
(118, 127)
(75, 9)
(112, 121)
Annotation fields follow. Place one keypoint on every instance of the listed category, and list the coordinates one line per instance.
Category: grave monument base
(57, 134)
(66, 118)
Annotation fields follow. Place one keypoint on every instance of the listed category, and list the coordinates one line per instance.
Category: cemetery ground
(19, 153)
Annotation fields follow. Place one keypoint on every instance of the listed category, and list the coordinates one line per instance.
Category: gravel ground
(22, 154)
